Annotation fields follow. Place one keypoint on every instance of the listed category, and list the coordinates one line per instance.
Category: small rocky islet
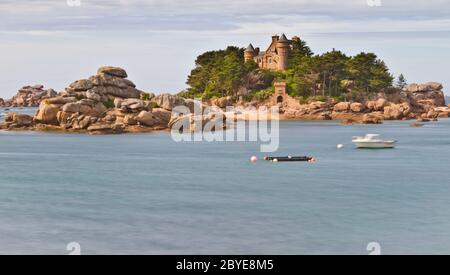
(423, 102)
(106, 103)
(109, 103)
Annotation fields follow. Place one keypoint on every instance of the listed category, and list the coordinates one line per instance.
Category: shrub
(340, 98)
(145, 96)
(263, 94)
(302, 99)
(109, 104)
(321, 98)
(248, 97)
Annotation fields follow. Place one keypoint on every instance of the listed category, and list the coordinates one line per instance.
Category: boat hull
(375, 145)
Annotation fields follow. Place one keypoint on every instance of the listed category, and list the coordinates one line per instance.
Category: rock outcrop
(428, 95)
(415, 101)
(28, 96)
(105, 103)
(109, 103)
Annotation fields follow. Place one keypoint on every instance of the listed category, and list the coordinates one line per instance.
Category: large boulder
(435, 86)
(128, 92)
(59, 100)
(84, 107)
(430, 99)
(72, 107)
(426, 87)
(109, 80)
(397, 111)
(113, 71)
(430, 86)
(82, 85)
(412, 88)
(168, 101)
(130, 119)
(194, 123)
(380, 104)
(342, 107)
(315, 105)
(132, 105)
(47, 113)
(63, 117)
(18, 119)
(93, 96)
(162, 116)
(223, 102)
(23, 120)
(357, 107)
(372, 118)
(146, 118)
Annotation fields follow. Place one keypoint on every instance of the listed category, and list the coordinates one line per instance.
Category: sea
(147, 194)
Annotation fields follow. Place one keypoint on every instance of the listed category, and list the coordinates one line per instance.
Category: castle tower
(249, 53)
(283, 48)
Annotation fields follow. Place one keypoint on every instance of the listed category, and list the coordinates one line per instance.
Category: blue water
(145, 194)
(22, 110)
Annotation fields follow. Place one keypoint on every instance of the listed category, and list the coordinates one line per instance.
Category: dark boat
(290, 158)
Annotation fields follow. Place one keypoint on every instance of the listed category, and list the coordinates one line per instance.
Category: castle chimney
(275, 38)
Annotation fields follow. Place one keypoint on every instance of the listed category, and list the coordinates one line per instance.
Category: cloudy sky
(54, 42)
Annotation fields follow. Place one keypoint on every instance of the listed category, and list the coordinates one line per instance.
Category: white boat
(373, 141)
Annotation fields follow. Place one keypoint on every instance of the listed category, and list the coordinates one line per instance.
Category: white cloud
(225, 15)
(140, 35)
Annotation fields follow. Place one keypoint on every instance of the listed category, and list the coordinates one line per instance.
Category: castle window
(270, 60)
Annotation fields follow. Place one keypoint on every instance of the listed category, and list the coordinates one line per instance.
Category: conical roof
(250, 48)
(283, 38)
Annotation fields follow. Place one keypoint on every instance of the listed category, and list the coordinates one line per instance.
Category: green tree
(332, 74)
(332, 67)
(369, 73)
(401, 81)
(219, 73)
(299, 50)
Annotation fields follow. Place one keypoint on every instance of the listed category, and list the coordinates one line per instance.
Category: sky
(54, 42)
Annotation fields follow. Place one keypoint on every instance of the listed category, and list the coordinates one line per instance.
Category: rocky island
(105, 103)
(423, 102)
(109, 103)
(28, 96)
(330, 86)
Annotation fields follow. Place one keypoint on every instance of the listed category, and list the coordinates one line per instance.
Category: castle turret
(283, 47)
(249, 53)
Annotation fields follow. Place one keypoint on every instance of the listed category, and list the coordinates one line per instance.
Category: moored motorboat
(373, 141)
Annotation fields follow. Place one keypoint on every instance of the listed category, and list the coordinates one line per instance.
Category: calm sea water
(145, 194)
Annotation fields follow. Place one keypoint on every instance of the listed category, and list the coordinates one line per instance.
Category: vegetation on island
(331, 74)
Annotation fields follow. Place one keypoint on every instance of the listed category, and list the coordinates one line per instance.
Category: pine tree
(401, 81)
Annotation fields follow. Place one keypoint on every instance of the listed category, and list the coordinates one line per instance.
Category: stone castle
(275, 57)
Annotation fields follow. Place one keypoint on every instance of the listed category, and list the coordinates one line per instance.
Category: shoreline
(52, 129)
(109, 103)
